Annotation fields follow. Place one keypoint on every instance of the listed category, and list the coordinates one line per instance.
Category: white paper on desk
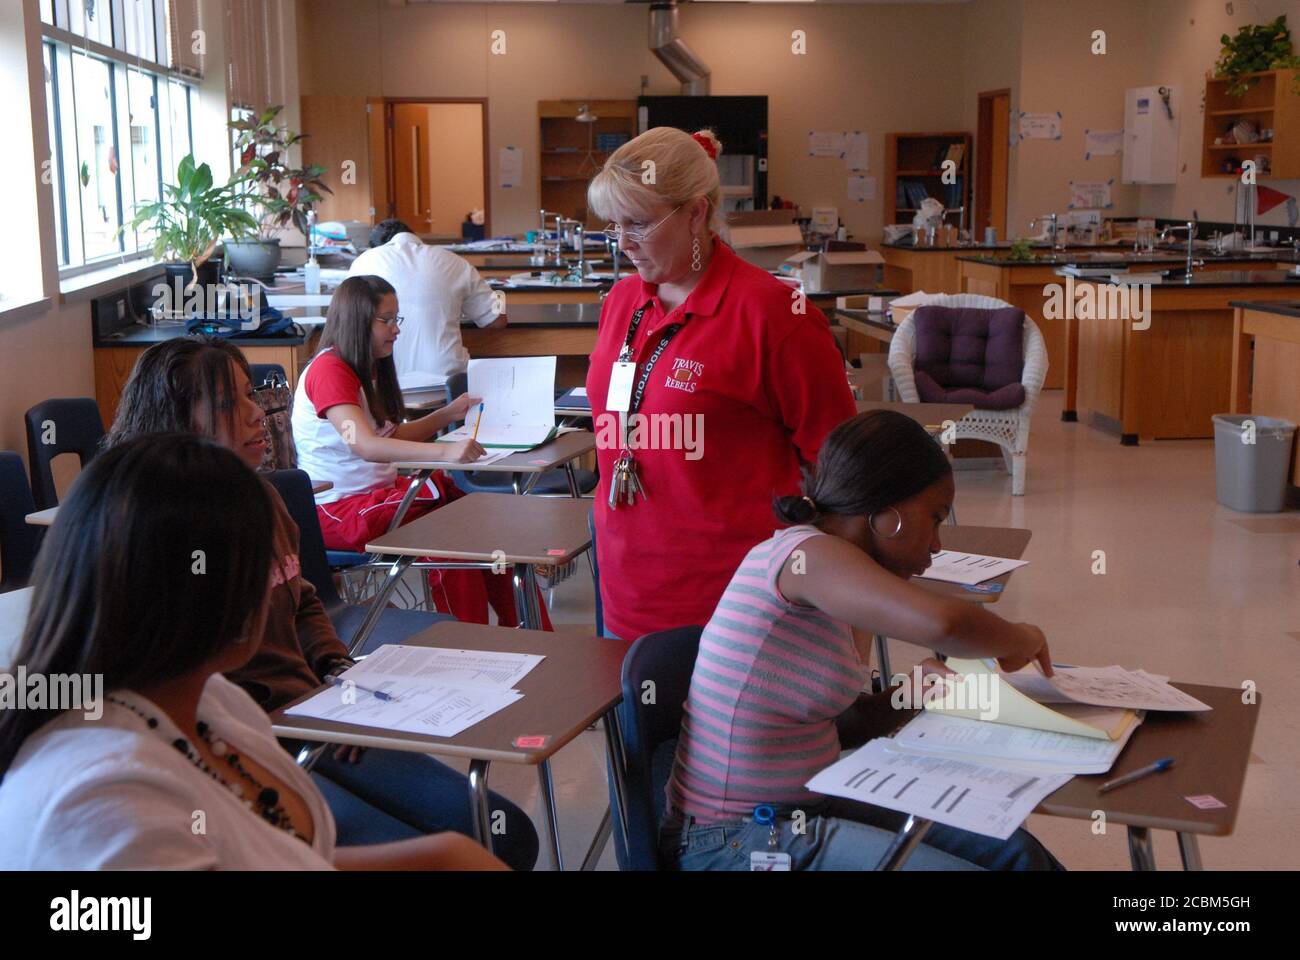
(518, 395)
(951, 566)
(985, 799)
(475, 668)
(434, 709)
(939, 734)
(1116, 687)
(465, 433)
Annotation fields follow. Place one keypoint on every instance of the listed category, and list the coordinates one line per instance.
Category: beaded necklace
(266, 802)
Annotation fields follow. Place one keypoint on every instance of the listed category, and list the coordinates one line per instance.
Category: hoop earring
(696, 262)
(898, 525)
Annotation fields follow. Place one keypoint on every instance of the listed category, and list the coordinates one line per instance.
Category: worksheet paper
(968, 569)
(518, 395)
(490, 668)
(998, 744)
(1105, 687)
(438, 692)
(987, 800)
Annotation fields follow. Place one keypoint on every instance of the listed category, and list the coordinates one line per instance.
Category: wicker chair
(1009, 429)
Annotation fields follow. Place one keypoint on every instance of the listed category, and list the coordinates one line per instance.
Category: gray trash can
(1251, 477)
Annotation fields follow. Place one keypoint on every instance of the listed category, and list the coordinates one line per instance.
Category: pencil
(478, 421)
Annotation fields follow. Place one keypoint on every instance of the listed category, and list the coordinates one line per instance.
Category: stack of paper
(951, 566)
(435, 691)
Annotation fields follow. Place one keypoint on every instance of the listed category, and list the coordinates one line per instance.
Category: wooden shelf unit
(919, 156)
(564, 165)
(1271, 103)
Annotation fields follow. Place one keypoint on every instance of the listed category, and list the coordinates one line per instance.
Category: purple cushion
(970, 355)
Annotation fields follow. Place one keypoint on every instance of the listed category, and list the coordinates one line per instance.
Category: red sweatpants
(352, 522)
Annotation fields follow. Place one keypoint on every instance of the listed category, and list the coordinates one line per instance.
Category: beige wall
(858, 57)
(991, 34)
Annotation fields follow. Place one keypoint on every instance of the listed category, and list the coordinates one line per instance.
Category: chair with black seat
(56, 427)
(649, 737)
(395, 625)
(19, 540)
(260, 373)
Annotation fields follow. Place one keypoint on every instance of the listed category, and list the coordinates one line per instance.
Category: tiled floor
(1191, 590)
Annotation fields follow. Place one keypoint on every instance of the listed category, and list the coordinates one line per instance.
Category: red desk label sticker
(1206, 801)
(555, 553)
(539, 462)
(530, 743)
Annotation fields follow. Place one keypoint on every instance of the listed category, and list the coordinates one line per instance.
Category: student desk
(43, 518)
(577, 683)
(485, 531)
(1210, 750)
(560, 452)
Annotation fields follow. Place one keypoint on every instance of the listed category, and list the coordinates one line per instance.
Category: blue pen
(1158, 767)
(377, 694)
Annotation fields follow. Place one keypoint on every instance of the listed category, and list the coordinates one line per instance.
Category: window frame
(61, 45)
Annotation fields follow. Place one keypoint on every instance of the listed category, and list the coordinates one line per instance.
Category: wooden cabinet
(571, 150)
(1272, 103)
(916, 161)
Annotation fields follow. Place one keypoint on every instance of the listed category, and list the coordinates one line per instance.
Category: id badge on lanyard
(622, 377)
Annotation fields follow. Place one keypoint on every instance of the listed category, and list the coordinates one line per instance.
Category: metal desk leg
(417, 483)
(598, 842)
(1140, 852)
(377, 605)
(882, 658)
(548, 809)
(617, 764)
(480, 817)
(515, 483)
(1190, 850)
(909, 835)
(573, 480)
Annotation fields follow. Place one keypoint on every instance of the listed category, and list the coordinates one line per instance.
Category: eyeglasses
(616, 230)
(395, 321)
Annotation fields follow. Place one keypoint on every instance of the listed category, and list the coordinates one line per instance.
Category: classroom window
(119, 120)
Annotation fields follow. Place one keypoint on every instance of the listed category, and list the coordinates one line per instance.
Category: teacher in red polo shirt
(711, 384)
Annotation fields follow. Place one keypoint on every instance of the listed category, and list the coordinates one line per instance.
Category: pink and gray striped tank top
(770, 680)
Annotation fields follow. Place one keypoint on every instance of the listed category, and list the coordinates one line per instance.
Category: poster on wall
(1040, 126)
(1091, 194)
(1102, 143)
(510, 168)
(827, 143)
(862, 188)
(855, 151)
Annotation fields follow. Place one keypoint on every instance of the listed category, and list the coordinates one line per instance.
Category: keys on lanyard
(624, 485)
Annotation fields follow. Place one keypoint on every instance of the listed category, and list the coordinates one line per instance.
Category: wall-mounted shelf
(917, 158)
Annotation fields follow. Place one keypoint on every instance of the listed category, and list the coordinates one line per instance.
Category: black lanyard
(625, 355)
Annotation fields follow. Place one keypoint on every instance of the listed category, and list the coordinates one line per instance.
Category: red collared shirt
(746, 391)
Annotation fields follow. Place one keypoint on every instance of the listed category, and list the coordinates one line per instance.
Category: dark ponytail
(868, 463)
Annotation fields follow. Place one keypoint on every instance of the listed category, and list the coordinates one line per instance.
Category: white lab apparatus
(1151, 118)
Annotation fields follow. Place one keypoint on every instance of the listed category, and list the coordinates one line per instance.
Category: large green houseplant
(282, 194)
(191, 218)
(1255, 48)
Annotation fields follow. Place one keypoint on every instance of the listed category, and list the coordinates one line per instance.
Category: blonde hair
(663, 164)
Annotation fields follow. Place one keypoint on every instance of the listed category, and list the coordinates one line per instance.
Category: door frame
(984, 161)
(390, 160)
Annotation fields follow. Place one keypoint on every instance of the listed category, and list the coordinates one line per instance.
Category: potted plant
(190, 220)
(283, 194)
(1255, 48)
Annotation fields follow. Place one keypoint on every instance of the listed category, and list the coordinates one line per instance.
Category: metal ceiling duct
(672, 50)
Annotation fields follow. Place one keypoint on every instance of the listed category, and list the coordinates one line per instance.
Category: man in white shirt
(435, 290)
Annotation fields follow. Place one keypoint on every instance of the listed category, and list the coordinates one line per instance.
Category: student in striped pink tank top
(776, 693)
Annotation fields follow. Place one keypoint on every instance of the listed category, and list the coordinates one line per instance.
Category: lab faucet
(1056, 228)
(1190, 227)
(612, 246)
(580, 238)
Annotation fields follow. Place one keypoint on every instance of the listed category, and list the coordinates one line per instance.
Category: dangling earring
(696, 262)
(898, 524)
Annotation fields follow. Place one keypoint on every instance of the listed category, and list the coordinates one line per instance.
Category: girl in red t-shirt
(348, 429)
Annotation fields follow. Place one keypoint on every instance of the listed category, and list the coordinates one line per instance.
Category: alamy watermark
(53, 691)
(977, 692)
(1098, 301)
(652, 431)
